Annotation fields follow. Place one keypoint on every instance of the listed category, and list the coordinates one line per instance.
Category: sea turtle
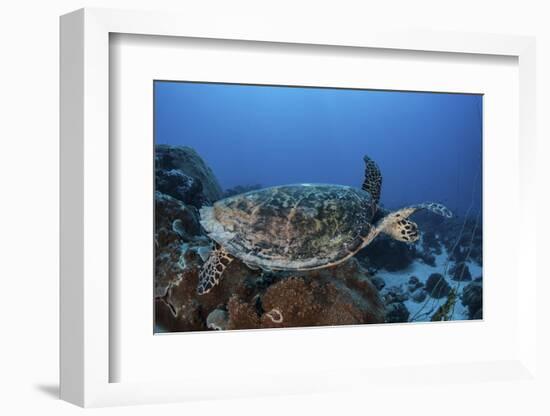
(301, 226)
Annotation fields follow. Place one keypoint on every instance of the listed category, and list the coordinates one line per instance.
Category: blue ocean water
(428, 145)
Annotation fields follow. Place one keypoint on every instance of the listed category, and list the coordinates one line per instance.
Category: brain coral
(304, 301)
(242, 315)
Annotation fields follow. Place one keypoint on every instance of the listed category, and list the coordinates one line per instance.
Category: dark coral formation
(312, 301)
(378, 282)
(184, 162)
(437, 287)
(242, 314)
(177, 184)
(418, 295)
(394, 298)
(414, 283)
(460, 272)
(430, 243)
(397, 312)
(472, 298)
(386, 253)
(462, 238)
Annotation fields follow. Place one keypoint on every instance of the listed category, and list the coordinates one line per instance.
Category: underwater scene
(284, 206)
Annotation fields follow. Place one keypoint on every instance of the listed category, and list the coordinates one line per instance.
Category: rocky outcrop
(472, 298)
(179, 168)
(430, 243)
(414, 283)
(394, 298)
(394, 294)
(436, 286)
(460, 272)
(419, 295)
(397, 312)
(378, 282)
(389, 254)
(463, 240)
(218, 319)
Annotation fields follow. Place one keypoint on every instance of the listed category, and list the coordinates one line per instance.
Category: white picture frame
(86, 301)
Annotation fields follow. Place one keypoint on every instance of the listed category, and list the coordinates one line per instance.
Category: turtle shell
(291, 227)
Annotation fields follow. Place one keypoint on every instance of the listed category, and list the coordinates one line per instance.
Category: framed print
(320, 200)
(283, 181)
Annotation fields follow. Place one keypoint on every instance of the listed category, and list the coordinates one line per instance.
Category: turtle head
(397, 225)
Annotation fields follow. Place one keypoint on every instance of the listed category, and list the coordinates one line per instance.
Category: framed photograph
(270, 209)
(290, 207)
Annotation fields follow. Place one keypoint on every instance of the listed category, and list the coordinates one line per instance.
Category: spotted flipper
(212, 270)
(397, 225)
(403, 230)
(436, 208)
(373, 179)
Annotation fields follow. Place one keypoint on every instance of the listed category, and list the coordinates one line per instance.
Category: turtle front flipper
(403, 230)
(212, 270)
(397, 226)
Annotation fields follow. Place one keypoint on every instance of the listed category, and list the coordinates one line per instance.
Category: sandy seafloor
(422, 311)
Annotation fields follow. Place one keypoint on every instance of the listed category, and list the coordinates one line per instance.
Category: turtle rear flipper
(212, 270)
(373, 179)
(397, 226)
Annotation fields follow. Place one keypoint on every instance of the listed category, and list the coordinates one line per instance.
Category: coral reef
(306, 299)
(354, 292)
(242, 315)
(309, 301)
(169, 263)
(245, 298)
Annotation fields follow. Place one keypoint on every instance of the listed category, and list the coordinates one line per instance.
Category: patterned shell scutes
(292, 227)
